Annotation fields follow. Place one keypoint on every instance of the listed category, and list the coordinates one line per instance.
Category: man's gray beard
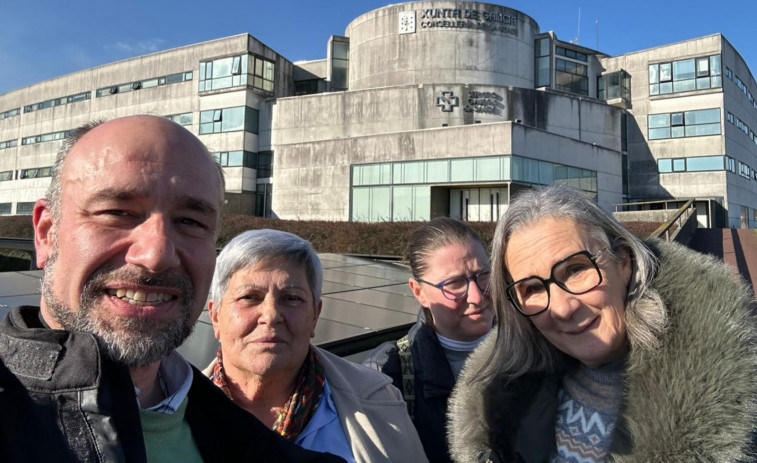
(130, 341)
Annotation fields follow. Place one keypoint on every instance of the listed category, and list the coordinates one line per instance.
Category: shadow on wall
(643, 178)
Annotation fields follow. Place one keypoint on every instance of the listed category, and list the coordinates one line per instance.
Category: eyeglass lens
(457, 288)
(577, 274)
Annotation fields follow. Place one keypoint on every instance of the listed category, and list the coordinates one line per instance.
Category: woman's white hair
(519, 345)
(254, 246)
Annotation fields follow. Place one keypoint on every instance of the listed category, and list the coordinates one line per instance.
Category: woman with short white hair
(265, 300)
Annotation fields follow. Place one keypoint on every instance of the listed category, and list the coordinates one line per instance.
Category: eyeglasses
(577, 274)
(456, 288)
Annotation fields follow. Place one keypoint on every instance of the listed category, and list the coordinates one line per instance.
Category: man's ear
(44, 243)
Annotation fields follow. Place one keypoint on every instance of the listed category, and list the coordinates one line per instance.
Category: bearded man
(126, 236)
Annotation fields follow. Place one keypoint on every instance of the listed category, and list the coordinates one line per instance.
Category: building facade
(420, 110)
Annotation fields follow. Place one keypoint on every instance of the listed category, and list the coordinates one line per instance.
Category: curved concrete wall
(442, 42)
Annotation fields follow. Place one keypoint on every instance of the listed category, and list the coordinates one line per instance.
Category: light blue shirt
(175, 376)
(324, 432)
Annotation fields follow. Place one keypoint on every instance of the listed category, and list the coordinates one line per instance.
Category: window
(145, 83)
(729, 73)
(685, 75)
(229, 120)
(261, 162)
(614, 85)
(181, 119)
(6, 175)
(543, 59)
(5, 208)
(571, 77)
(340, 64)
(730, 164)
(744, 170)
(45, 137)
(684, 124)
(235, 71)
(24, 208)
(309, 87)
(694, 164)
(8, 144)
(572, 54)
(58, 101)
(10, 113)
(39, 172)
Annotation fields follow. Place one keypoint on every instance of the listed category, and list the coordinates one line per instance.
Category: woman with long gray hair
(608, 348)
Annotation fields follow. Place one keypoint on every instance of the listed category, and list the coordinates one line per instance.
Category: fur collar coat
(692, 399)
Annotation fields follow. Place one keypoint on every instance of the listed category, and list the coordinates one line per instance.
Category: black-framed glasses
(577, 274)
(456, 288)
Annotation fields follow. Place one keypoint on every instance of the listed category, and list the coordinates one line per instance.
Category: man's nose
(152, 246)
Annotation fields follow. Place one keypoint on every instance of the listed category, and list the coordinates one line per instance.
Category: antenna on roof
(596, 23)
(577, 38)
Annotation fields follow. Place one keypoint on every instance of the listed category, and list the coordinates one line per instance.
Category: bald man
(126, 237)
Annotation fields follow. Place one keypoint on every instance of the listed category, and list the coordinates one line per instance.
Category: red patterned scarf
(303, 402)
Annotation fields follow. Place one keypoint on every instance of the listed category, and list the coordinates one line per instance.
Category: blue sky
(42, 39)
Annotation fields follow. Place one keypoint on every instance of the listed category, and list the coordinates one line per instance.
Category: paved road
(737, 247)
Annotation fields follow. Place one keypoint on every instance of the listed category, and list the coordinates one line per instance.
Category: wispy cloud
(139, 47)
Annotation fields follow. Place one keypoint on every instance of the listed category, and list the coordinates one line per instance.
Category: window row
(742, 86)
(706, 164)
(262, 162)
(685, 75)
(479, 169)
(10, 113)
(45, 137)
(84, 96)
(21, 208)
(35, 172)
(568, 53)
(233, 71)
(8, 144)
(684, 124)
(147, 83)
(741, 125)
(229, 120)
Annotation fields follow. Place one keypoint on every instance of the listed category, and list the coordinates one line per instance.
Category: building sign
(407, 22)
(484, 102)
(447, 101)
(477, 102)
(463, 18)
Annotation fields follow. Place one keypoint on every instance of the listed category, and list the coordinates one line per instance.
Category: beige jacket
(372, 412)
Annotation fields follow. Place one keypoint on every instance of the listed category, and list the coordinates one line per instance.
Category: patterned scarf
(301, 405)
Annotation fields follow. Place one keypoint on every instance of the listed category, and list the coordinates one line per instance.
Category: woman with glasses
(450, 280)
(607, 348)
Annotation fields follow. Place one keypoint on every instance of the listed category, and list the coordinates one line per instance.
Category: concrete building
(419, 110)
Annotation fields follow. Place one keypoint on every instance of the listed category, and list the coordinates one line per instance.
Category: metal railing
(681, 220)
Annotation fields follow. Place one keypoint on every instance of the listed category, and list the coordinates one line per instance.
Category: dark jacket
(62, 401)
(434, 381)
(692, 399)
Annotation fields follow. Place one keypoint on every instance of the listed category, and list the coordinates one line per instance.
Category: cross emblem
(447, 101)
